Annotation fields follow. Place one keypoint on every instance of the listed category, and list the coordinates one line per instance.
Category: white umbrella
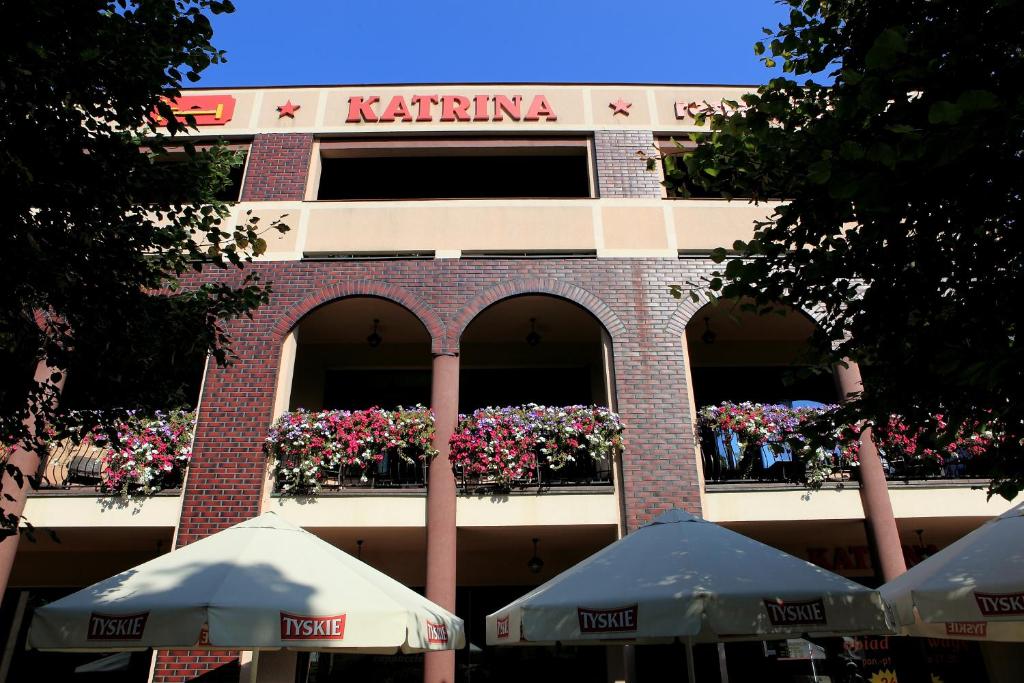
(262, 584)
(683, 577)
(972, 589)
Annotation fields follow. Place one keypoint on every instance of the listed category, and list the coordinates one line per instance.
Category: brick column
(874, 490)
(439, 667)
(620, 172)
(28, 462)
(277, 167)
(226, 476)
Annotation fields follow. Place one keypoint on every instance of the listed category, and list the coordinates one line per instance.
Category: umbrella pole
(691, 676)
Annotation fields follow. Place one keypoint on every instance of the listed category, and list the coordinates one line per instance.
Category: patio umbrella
(683, 577)
(972, 589)
(262, 584)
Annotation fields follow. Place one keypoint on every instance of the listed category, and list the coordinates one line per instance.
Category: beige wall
(607, 227)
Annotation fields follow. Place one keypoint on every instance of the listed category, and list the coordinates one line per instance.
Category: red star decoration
(288, 109)
(620, 106)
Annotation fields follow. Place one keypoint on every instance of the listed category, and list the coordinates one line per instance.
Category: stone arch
(365, 288)
(556, 288)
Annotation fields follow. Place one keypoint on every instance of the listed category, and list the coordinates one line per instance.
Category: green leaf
(977, 100)
(850, 150)
(944, 112)
(759, 48)
(887, 46)
(819, 172)
(718, 254)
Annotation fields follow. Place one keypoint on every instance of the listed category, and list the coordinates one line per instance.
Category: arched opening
(738, 355)
(360, 353)
(352, 404)
(534, 349)
(751, 376)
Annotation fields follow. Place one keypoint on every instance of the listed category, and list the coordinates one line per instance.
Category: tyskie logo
(1000, 604)
(303, 627)
(117, 626)
(502, 624)
(976, 629)
(437, 633)
(614, 620)
(790, 613)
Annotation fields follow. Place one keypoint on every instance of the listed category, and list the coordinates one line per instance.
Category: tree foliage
(100, 235)
(902, 187)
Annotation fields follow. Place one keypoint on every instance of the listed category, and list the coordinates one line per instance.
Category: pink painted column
(874, 490)
(28, 462)
(439, 667)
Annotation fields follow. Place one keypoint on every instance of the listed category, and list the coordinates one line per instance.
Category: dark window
(383, 388)
(432, 172)
(482, 387)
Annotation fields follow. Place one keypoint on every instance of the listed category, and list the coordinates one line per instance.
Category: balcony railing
(757, 443)
(149, 454)
(493, 449)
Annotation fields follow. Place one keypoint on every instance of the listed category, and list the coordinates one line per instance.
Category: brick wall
(620, 171)
(629, 296)
(277, 167)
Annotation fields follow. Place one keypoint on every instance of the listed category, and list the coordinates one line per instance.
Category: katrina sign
(304, 627)
(448, 108)
(614, 620)
(791, 613)
(1000, 604)
(117, 626)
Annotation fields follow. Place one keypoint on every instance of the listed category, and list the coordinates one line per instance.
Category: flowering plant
(149, 455)
(783, 427)
(505, 445)
(308, 447)
(930, 444)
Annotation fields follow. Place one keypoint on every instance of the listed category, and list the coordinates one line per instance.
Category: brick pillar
(226, 476)
(874, 490)
(620, 171)
(439, 667)
(277, 167)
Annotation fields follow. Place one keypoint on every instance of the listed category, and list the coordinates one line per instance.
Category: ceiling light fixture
(533, 338)
(535, 564)
(374, 339)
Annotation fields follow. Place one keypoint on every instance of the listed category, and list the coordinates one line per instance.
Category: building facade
(464, 246)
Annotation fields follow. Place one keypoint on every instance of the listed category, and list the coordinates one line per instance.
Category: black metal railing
(390, 473)
(585, 472)
(71, 465)
(724, 460)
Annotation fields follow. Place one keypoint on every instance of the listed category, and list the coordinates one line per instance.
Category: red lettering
(503, 630)
(396, 108)
(455, 108)
(423, 103)
(480, 112)
(976, 629)
(819, 556)
(503, 105)
(538, 108)
(362, 110)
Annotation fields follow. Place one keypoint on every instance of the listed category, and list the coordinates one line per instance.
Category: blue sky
(409, 41)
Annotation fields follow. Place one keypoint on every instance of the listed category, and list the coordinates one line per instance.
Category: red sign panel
(437, 633)
(1000, 604)
(207, 110)
(117, 626)
(614, 620)
(789, 613)
(975, 629)
(304, 627)
(502, 624)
